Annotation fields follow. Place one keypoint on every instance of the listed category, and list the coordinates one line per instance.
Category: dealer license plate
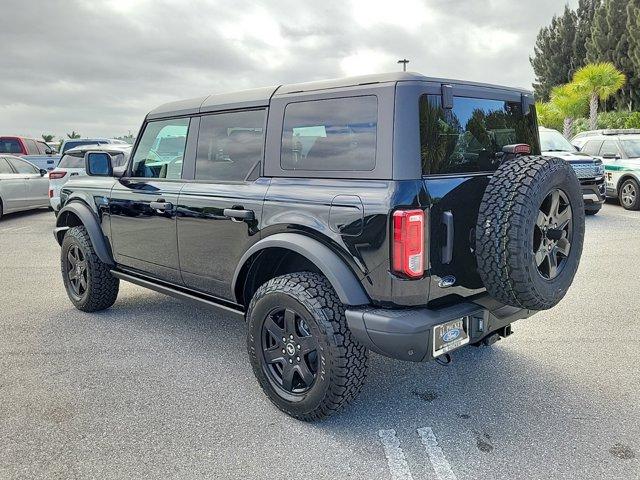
(451, 335)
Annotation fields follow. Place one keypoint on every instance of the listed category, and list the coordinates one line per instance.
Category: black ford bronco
(405, 215)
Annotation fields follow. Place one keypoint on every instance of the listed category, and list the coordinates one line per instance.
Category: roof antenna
(404, 62)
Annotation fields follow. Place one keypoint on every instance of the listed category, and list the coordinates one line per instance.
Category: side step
(178, 292)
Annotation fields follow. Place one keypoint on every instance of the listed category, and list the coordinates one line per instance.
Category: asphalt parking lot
(156, 388)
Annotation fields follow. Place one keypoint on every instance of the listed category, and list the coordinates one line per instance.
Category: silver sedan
(22, 185)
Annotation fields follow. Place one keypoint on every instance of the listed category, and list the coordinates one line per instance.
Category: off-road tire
(102, 288)
(342, 360)
(636, 204)
(505, 231)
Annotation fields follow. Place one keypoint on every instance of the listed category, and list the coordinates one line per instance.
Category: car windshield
(553, 141)
(631, 147)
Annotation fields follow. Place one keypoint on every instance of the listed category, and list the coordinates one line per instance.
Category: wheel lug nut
(284, 339)
(284, 351)
(298, 347)
(290, 361)
(291, 337)
(297, 359)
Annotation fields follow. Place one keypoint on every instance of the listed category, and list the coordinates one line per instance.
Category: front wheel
(88, 281)
(300, 348)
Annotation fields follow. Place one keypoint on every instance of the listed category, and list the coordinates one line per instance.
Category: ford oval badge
(446, 282)
(451, 335)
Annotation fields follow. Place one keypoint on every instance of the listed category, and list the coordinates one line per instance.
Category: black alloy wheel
(553, 234)
(289, 350)
(76, 269)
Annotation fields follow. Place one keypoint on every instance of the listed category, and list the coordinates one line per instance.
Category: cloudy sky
(98, 66)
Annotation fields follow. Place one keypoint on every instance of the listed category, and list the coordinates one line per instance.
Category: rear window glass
(330, 135)
(77, 160)
(71, 161)
(10, 145)
(470, 137)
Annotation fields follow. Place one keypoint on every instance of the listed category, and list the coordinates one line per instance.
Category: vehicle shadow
(24, 215)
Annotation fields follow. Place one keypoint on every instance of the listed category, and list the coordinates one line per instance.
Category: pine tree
(584, 23)
(553, 53)
(633, 32)
(609, 42)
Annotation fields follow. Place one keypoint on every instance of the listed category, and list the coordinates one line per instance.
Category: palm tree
(548, 115)
(47, 138)
(570, 102)
(73, 134)
(599, 81)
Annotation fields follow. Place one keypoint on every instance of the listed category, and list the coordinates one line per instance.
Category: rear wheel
(630, 194)
(300, 347)
(530, 232)
(88, 281)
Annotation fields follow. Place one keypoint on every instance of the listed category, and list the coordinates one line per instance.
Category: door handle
(447, 248)
(161, 205)
(239, 214)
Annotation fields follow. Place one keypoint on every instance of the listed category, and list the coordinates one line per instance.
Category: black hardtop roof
(259, 97)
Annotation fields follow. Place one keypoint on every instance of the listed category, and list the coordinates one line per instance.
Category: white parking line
(436, 455)
(395, 456)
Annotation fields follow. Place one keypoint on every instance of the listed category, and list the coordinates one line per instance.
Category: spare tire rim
(290, 352)
(553, 234)
(628, 194)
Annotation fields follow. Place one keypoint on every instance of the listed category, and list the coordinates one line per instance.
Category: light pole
(404, 62)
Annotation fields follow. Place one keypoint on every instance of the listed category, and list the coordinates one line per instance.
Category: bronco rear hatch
(462, 134)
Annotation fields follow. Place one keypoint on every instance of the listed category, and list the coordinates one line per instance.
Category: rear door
(144, 203)
(220, 209)
(462, 134)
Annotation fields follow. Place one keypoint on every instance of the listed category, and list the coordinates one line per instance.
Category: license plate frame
(445, 342)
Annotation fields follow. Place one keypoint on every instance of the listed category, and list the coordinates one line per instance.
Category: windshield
(554, 141)
(631, 148)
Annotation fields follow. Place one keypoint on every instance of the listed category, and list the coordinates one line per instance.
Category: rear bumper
(406, 334)
(593, 193)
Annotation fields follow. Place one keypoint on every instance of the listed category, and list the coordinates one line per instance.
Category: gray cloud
(97, 67)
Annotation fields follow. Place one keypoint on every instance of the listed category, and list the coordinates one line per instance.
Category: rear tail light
(57, 174)
(408, 243)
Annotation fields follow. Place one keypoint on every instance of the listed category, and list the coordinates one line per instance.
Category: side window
(44, 148)
(470, 137)
(75, 160)
(23, 167)
(10, 145)
(609, 148)
(333, 134)
(161, 149)
(229, 145)
(4, 166)
(32, 148)
(592, 147)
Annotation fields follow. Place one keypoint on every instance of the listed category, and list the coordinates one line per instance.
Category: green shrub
(580, 125)
(613, 119)
(633, 120)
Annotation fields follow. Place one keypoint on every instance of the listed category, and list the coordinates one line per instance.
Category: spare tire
(530, 232)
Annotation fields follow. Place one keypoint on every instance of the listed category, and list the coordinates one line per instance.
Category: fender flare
(343, 280)
(90, 222)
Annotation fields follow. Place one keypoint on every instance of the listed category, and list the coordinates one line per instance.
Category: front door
(144, 203)
(12, 187)
(220, 210)
(36, 186)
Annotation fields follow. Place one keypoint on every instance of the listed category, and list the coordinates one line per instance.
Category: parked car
(620, 152)
(72, 164)
(23, 186)
(590, 170)
(77, 142)
(338, 217)
(35, 151)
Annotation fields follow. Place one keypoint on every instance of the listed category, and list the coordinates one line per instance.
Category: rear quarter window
(337, 134)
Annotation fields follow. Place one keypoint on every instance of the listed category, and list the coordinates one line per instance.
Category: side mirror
(43, 172)
(98, 164)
